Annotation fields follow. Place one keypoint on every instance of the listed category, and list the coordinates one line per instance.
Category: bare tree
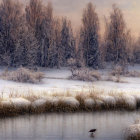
(116, 37)
(17, 43)
(34, 13)
(10, 22)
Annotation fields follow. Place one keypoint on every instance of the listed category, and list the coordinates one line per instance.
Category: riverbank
(92, 100)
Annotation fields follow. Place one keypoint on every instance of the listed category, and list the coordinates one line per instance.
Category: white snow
(108, 99)
(57, 81)
(20, 102)
(89, 102)
(39, 103)
(99, 102)
(71, 101)
(129, 100)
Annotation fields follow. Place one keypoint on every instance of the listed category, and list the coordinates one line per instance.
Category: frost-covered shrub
(85, 74)
(89, 102)
(133, 132)
(117, 70)
(23, 75)
(133, 74)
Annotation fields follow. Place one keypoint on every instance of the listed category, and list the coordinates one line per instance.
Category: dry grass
(67, 102)
(85, 74)
(23, 75)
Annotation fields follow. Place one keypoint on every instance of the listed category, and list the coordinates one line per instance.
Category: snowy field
(56, 80)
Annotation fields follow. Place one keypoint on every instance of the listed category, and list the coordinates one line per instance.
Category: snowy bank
(58, 80)
(91, 101)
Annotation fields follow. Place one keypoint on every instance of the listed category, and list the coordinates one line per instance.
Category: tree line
(34, 36)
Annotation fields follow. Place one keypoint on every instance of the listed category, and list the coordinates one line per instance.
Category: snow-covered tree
(26, 47)
(90, 36)
(47, 38)
(67, 41)
(40, 18)
(136, 51)
(57, 40)
(17, 42)
(34, 18)
(116, 41)
(10, 22)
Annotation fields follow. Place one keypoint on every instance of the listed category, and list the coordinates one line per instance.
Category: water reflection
(109, 125)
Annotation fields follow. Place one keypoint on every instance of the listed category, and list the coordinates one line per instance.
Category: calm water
(110, 126)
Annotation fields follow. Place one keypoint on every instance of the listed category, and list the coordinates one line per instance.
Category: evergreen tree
(67, 41)
(26, 47)
(57, 38)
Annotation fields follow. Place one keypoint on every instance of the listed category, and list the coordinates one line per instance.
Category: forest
(32, 35)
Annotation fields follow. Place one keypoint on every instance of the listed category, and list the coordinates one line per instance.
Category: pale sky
(73, 10)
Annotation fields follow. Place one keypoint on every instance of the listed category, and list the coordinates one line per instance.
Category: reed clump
(89, 101)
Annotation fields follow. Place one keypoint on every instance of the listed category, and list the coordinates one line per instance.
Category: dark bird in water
(92, 131)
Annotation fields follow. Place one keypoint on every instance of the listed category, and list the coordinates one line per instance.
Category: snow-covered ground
(57, 80)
